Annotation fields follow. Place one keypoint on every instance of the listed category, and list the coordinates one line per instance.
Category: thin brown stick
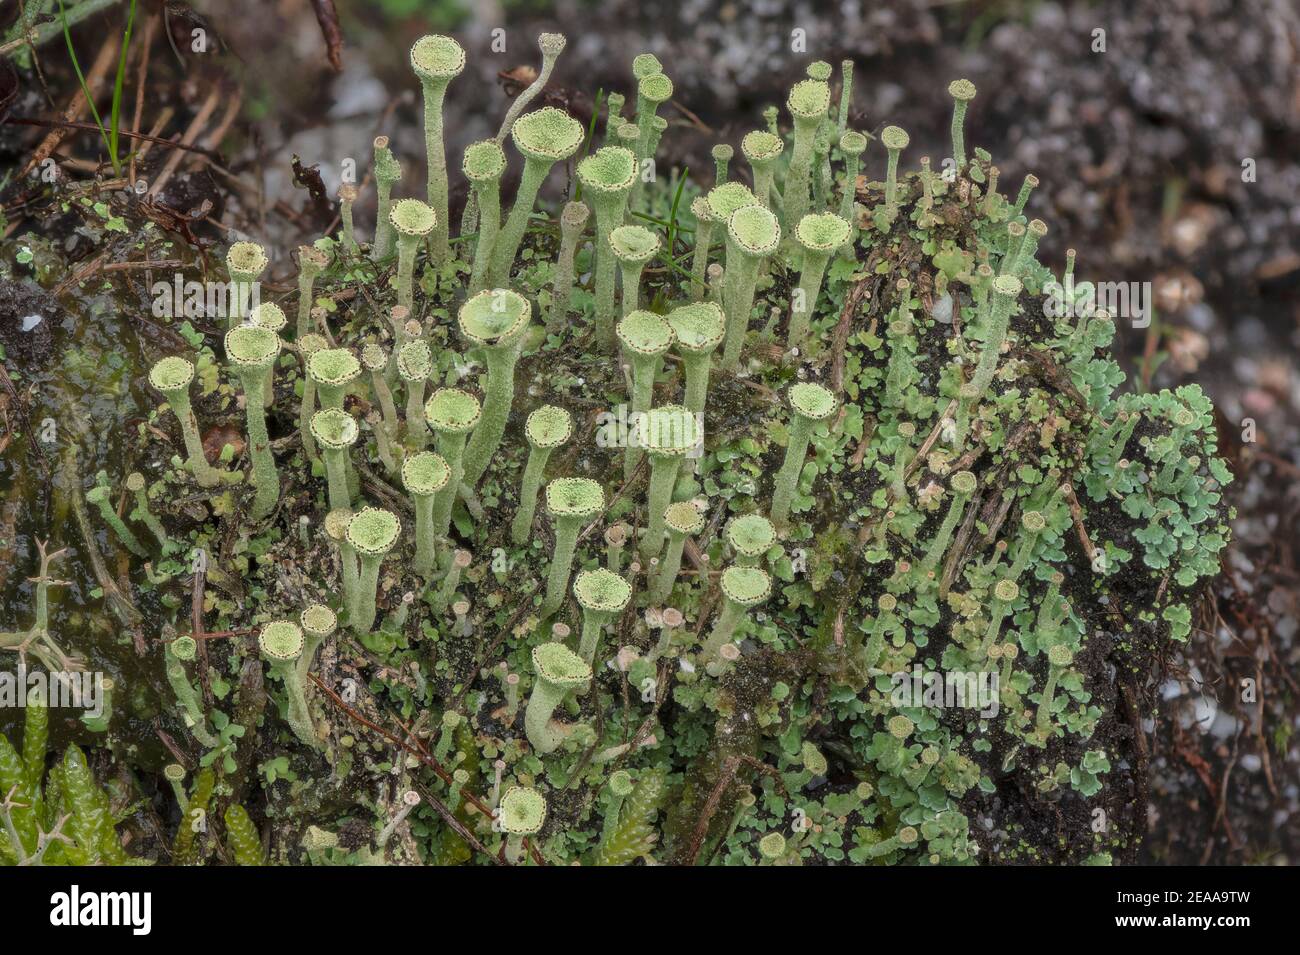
(148, 138)
(98, 70)
(142, 81)
(1076, 513)
(455, 824)
(725, 778)
(191, 133)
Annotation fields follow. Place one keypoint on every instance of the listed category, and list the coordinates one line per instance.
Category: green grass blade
(76, 65)
(117, 91)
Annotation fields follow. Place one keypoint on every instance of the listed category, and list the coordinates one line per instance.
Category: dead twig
(1076, 513)
(199, 121)
(328, 18)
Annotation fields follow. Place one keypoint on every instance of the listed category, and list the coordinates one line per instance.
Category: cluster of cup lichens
(493, 321)
(438, 441)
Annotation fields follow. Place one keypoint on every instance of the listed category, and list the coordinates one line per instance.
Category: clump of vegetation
(894, 550)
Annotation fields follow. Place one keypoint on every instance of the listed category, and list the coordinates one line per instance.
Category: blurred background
(1164, 133)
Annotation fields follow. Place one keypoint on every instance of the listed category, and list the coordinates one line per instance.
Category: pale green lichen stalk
(645, 338)
(372, 532)
(820, 235)
(308, 345)
(652, 90)
(602, 595)
(252, 350)
(135, 483)
(571, 502)
(100, 496)
(332, 370)
(335, 432)
(762, 150)
(852, 144)
(544, 137)
(436, 60)
(318, 623)
(962, 92)
(172, 377)
(606, 176)
(753, 234)
(336, 528)
(347, 199)
(1006, 289)
(181, 652)
(311, 262)
(963, 485)
(573, 222)
(742, 588)
(633, 246)
(414, 365)
(494, 321)
(698, 330)
(703, 238)
(895, 140)
(682, 519)
(557, 672)
(423, 476)
(809, 405)
(668, 434)
(388, 172)
(452, 414)
(808, 103)
(545, 430)
(245, 262)
(270, 316)
(412, 220)
(483, 166)
(281, 643)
